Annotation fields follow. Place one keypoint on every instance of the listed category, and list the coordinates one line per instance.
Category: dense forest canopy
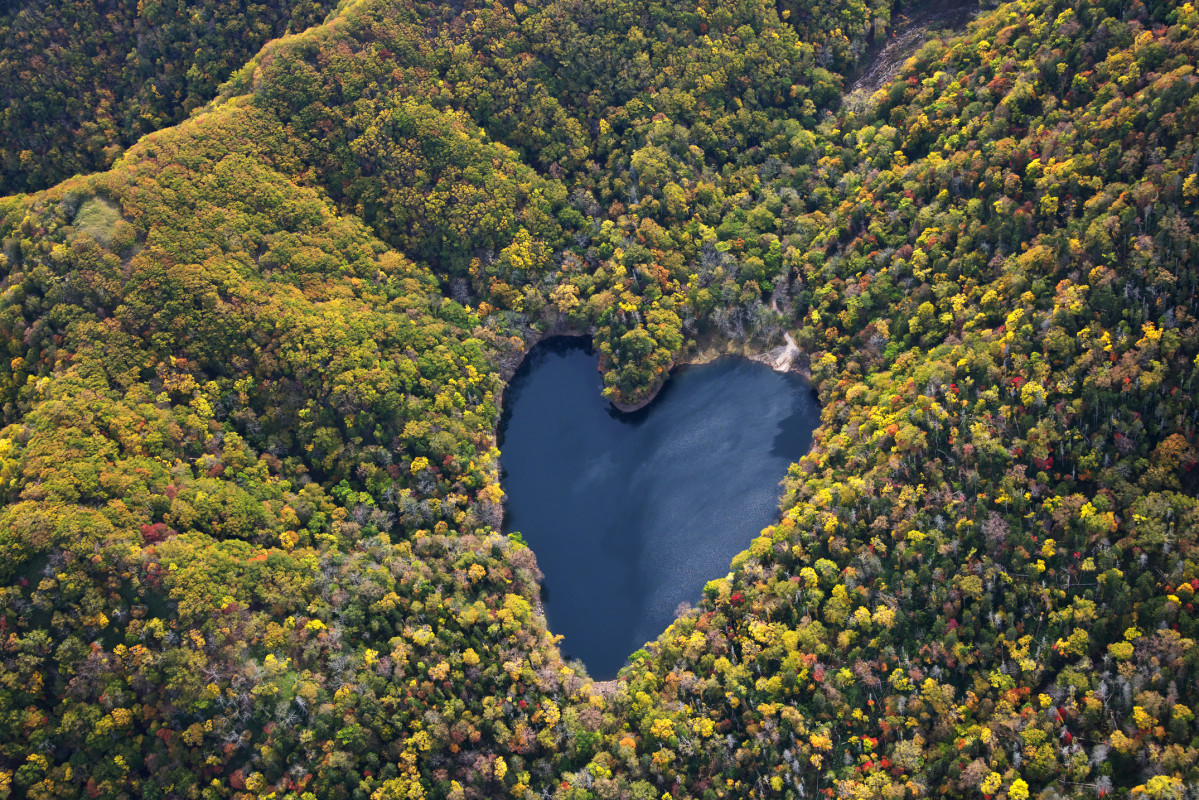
(249, 542)
(80, 81)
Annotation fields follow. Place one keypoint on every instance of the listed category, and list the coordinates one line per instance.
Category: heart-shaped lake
(630, 514)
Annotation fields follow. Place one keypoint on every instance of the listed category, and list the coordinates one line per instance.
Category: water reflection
(630, 514)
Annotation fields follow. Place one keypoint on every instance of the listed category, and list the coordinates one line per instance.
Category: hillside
(249, 543)
(79, 82)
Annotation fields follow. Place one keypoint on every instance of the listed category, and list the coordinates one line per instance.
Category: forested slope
(252, 376)
(80, 81)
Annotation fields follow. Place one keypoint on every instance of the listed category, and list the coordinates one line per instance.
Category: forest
(262, 294)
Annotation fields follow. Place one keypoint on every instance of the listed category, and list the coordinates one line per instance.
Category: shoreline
(781, 358)
(508, 371)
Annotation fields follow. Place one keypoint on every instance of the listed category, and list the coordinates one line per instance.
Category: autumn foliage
(250, 538)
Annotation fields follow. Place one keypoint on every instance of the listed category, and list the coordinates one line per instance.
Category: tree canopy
(250, 541)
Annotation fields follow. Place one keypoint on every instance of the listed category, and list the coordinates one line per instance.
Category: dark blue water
(630, 514)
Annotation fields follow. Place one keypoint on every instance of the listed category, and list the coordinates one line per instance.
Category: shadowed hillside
(79, 82)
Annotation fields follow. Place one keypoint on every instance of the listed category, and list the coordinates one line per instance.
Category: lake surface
(631, 514)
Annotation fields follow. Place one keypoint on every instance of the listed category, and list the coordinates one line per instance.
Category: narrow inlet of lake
(631, 514)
